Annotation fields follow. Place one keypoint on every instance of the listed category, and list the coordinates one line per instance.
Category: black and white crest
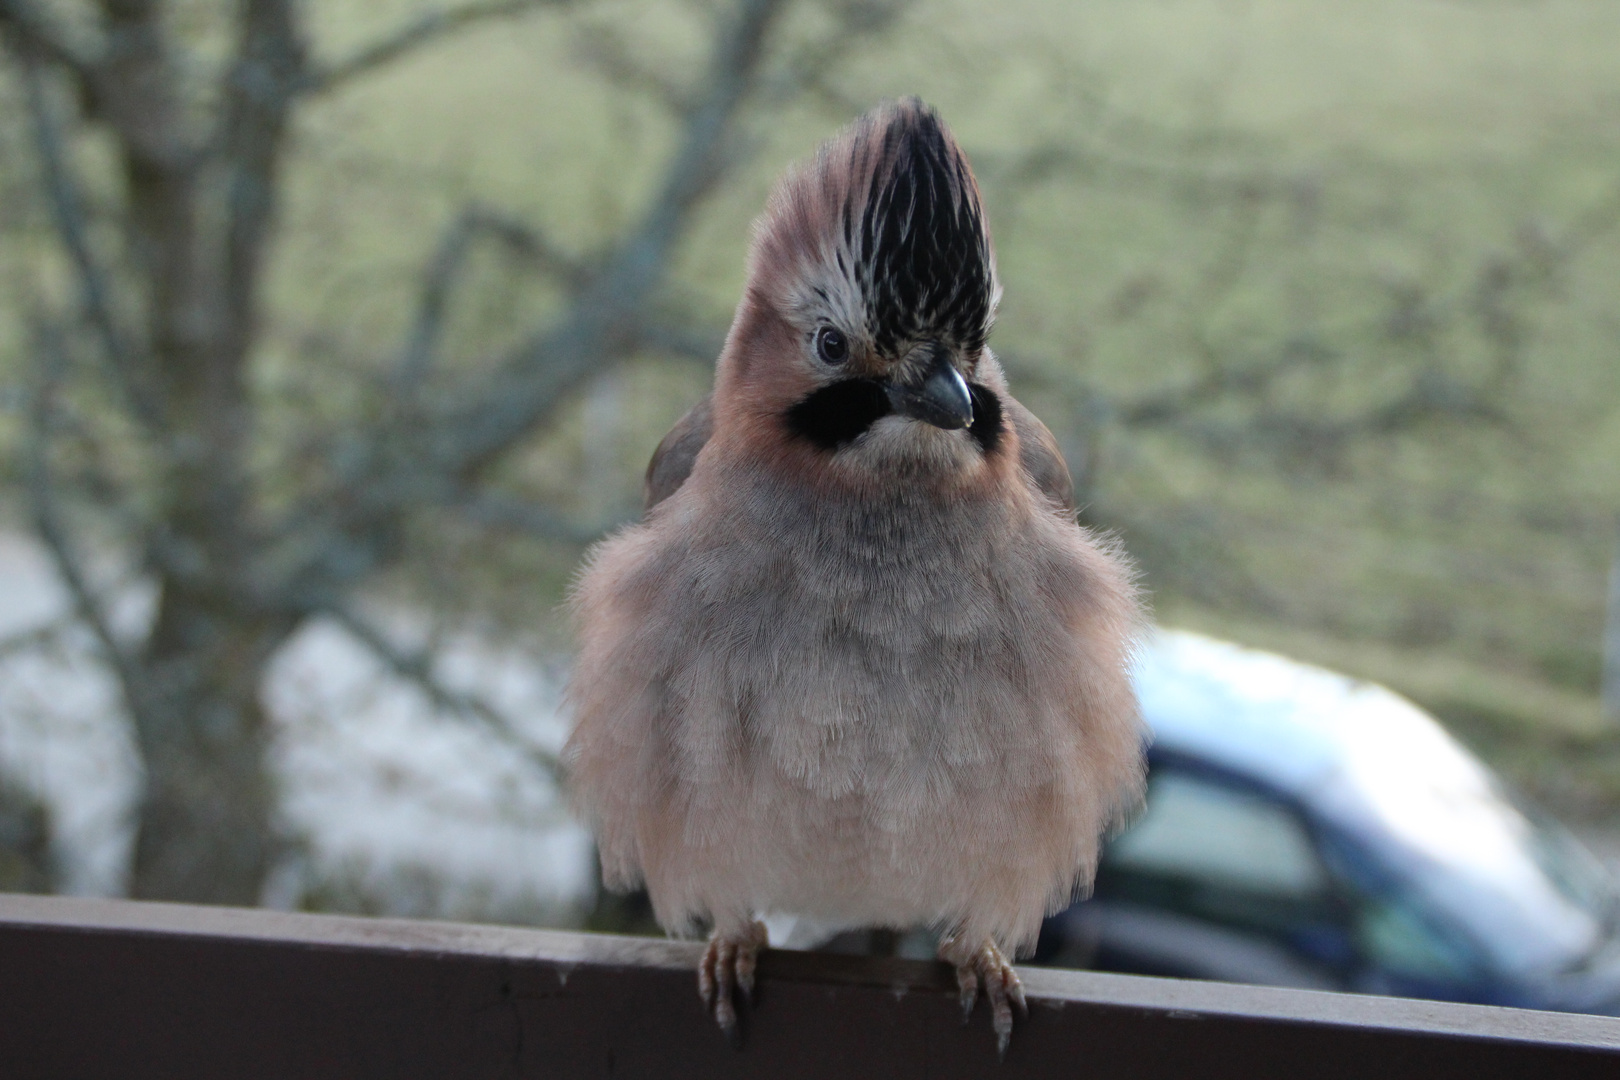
(882, 236)
(922, 252)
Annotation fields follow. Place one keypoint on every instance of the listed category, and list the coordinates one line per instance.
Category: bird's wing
(1039, 453)
(672, 462)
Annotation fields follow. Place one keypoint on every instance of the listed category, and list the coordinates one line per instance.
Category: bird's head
(871, 292)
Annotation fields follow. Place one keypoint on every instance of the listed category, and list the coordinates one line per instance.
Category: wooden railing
(104, 989)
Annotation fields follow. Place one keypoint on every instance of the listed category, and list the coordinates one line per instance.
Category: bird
(858, 662)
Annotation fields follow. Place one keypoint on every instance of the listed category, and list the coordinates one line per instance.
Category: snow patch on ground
(385, 786)
(62, 737)
(394, 805)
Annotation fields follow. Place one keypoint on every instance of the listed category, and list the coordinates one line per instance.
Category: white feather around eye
(824, 292)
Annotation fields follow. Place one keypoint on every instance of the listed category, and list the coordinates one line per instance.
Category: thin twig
(53, 533)
(609, 317)
(607, 52)
(525, 241)
(34, 30)
(605, 324)
(259, 93)
(417, 667)
(36, 637)
(697, 165)
(95, 288)
(813, 68)
(687, 341)
(419, 32)
(501, 512)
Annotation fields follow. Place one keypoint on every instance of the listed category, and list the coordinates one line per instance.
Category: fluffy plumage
(858, 662)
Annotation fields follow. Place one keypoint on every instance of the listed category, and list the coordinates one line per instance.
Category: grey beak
(941, 400)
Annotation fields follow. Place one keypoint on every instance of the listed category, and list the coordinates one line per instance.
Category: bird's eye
(831, 345)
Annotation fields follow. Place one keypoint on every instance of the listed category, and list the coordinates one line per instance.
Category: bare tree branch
(813, 69)
(1431, 395)
(415, 460)
(685, 340)
(419, 32)
(33, 29)
(417, 668)
(531, 244)
(698, 164)
(608, 319)
(36, 637)
(450, 256)
(47, 520)
(259, 92)
(500, 511)
(606, 51)
(139, 91)
(123, 358)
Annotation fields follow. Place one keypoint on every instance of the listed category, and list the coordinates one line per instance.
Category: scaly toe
(967, 984)
(1015, 991)
(1001, 1016)
(987, 967)
(706, 976)
(728, 965)
(748, 959)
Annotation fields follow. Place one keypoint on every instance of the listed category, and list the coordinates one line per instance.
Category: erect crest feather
(885, 231)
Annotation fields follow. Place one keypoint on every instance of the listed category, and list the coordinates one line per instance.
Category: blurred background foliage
(1338, 202)
(1320, 299)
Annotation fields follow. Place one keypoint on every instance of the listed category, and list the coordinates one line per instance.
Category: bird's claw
(986, 966)
(967, 982)
(727, 966)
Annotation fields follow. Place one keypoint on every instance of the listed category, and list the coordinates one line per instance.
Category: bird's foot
(984, 965)
(727, 967)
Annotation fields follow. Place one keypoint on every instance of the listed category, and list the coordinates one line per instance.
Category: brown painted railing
(102, 989)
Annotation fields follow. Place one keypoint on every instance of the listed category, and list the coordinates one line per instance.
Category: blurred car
(1307, 829)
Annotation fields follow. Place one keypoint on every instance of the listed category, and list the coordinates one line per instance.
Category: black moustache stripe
(987, 423)
(841, 412)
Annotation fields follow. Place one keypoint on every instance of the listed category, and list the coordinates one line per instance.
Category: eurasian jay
(858, 662)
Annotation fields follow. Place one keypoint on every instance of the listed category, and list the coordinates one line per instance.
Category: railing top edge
(1046, 987)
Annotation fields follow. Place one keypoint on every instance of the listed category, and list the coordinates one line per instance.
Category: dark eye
(831, 345)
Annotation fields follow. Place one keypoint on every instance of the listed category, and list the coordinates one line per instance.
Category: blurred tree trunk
(176, 311)
(206, 829)
(25, 856)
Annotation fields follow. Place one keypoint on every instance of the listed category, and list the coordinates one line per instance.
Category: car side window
(1397, 938)
(1220, 834)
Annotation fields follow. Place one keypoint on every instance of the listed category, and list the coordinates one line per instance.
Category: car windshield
(1550, 906)
(1531, 897)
